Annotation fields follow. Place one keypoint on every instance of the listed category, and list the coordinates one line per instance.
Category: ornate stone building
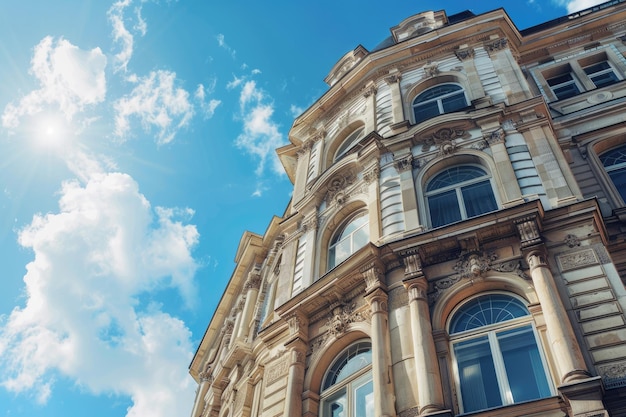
(455, 240)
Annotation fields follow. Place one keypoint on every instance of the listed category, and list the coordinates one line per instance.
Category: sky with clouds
(137, 144)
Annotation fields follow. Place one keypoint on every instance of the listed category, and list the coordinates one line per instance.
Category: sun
(51, 131)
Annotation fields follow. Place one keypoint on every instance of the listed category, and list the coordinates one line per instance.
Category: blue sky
(136, 145)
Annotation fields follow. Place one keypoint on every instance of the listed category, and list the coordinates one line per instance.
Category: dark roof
(559, 20)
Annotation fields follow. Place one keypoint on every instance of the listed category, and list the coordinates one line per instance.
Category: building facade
(455, 239)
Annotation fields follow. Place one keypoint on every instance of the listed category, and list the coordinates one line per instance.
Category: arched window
(497, 358)
(459, 193)
(348, 390)
(614, 162)
(351, 140)
(348, 239)
(440, 99)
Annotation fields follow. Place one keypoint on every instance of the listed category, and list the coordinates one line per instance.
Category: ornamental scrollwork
(473, 264)
(446, 135)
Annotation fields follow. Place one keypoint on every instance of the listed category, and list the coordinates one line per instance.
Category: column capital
(529, 229)
(537, 258)
(254, 280)
(298, 325)
(412, 264)
(377, 300)
(417, 288)
(374, 277)
(370, 89)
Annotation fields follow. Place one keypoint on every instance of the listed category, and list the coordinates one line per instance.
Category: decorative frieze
(577, 259)
(613, 375)
(277, 370)
(513, 267)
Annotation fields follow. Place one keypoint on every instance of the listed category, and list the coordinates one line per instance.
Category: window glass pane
(454, 102)
(455, 175)
(485, 310)
(560, 79)
(364, 400)
(478, 198)
(437, 91)
(566, 91)
(360, 238)
(341, 251)
(477, 375)
(444, 208)
(336, 406)
(356, 357)
(619, 179)
(426, 111)
(614, 157)
(524, 368)
(353, 225)
(603, 79)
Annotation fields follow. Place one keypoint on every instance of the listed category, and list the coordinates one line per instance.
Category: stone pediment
(418, 24)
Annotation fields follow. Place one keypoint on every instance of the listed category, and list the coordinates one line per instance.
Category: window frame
(438, 100)
(349, 142)
(491, 332)
(347, 386)
(458, 189)
(334, 241)
(576, 66)
(620, 167)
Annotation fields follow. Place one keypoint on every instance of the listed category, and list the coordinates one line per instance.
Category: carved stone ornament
(372, 174)
(613, 374)
(474, 264)
(529, 231)
(254, 280)
(308, 224)
(496, 45)
(370, 90)
(571, 240)
(513, 267)
(412, 265)
(447, 148)
(497, 136)
(404, 163)
(464, 53)
(393, 78)
(445, 135)
(431, 70)
(338, 185)
(578, 259)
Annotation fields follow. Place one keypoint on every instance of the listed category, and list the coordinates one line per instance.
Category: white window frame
(438, 100)
(491, 332)
(349, 237)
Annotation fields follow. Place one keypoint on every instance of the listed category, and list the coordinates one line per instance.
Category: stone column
(251, 289)
(376, 296)
(430, 395)
(404, 166)
(566, 352)
(510, 186)
(370, 96)
(205, 382)
(397, 110)
(297, 347)
(237, 313)
(569, 360)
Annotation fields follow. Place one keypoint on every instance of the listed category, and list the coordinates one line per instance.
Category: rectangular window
(444, 208)
(601, 74)
(563, 86)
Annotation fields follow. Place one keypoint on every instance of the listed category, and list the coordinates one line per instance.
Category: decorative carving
(496, 45)
(254, 279)
(441, 137)
(393, 78)
(374, 277)
(474, 264)
(411, 412)
(431, 69)
(528, 229)
(369, 90)
(412, 265)
(613, 375)
(446, 148)
(298, 324)
(308, 224)
(511, 267)
(578, 259)
(497, 136)
(338, 185)
(571, 240)
(464, 53)
(372, 174)
(537, 258)
(278, 370)
(404, 163)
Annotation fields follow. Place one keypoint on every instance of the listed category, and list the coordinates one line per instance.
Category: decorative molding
(442, 136)
(393, 78)
(369, 90)
(513, 267)
(254, 279)
(528, 229)
(374, 277)
(578, 259)
(278, 370)
(337, 186)
(403, 163)
(431, 69)
(412, 264)
(571, 240)
(495, 137)
(474, 264)
(496, 45)
(298, 324)
(464, 52)
(613, 372)
(372, 174)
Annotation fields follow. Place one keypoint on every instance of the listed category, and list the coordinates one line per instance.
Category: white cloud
(261, 135)
(234, 83)
(577, 5)
(208, 108)
(256, 71)
(69, 78)
(222, 44)
(84, 318)
(121, 35)
(157, 103)
(295, 110)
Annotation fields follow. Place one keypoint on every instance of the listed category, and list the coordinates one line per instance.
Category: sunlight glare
(51, 132)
